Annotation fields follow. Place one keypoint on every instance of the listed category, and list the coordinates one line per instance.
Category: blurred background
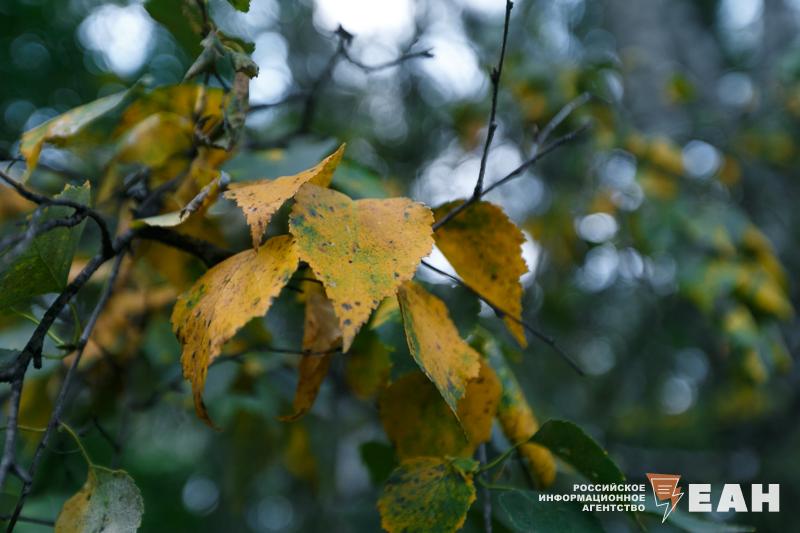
(662, 246)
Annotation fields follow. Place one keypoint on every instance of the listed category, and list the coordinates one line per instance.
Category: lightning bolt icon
(666, 492)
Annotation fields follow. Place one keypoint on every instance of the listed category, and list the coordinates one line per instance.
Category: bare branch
(495, 77)
(77, 206)
(502, 314)
(207, 252)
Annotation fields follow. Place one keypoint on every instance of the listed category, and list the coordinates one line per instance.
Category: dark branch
(502, 314)
(495, 76)
(207, 252)
(40, 199)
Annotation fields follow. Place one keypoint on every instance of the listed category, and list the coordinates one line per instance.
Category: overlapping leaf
(108, 501)
(518, 421)
(44, 265)
(361, 251)
(64, 127)
(369, 364)
(321, 335)
(259, 200)
(420, 423)
(433, 340)
(484, 247)
(223, 300)
(428, 495)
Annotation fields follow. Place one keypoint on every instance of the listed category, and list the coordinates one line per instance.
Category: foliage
(161, 238)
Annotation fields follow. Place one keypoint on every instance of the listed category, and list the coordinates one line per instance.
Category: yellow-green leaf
(428, 495)
(61, 128)
(321, 335)
(259, 200)
(433, 340)
(518, 421)
(108, 501)
(360, 250)
(420, 423)
(223, 300)
(484, 247)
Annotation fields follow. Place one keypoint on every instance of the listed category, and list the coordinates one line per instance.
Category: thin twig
(428, 53)
(551, 342)
(495, 77)
(208, 253)
(77, 206)
(511, 175)
(60, 403)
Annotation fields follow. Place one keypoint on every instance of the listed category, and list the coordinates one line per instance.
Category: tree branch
(77, 206)
(495, 77)
(207, 252)
(60, 402)
(551, 342)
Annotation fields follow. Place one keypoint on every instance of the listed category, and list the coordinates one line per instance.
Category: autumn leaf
(518, 421)
(360, 250)
(321, 335)
(259, 200)
(428, 495)
(108, 501)
(66, 126)
(484, 247)
(420, 423)
(433, 340)
(223, 300)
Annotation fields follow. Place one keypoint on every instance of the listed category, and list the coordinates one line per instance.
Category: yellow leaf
(420, 423)
(223, 300)
(368, 364)
(519, 423)
(259, 200)
(428, 495)
(298, 457)
(59, 129)
(321, 335)
(155, 140)
(108, 501)
(433, 340)
(485, 248)
(360, 250)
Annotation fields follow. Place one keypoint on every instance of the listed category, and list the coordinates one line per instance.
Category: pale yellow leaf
(223, 300)
(360, 250)
(259, 200)
(485, 248)
(433, 340)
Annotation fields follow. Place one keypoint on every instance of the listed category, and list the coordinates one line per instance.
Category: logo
(666, 491)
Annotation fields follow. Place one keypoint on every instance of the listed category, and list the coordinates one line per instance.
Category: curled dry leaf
(361, 250)
(433, 340)
(223, 300)
(428, 495)
(321, 335)
(485, 248)
(259, 200)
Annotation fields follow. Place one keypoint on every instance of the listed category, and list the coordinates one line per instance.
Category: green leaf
(522, 511)
(380, 460)
(44, 266)
(241, 5)
(182, 18)
(428, 495)
(574, 446)
(108, 501)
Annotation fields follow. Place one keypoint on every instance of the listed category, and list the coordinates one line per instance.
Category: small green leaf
(44, 266)
(182, 18)
(108, 501)
(428, 495)
(380, 460)
(522, 511)
(574, 446)
(241, 5)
